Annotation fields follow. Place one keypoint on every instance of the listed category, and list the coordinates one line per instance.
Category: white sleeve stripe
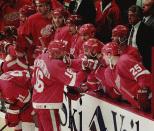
(17, 61)
(12, 111)
(93, 83)
(22, 64)
(141, 73)
(11, 63)
(27, 98)
(72, 82)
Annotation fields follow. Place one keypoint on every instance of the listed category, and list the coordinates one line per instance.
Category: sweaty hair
(137, 10)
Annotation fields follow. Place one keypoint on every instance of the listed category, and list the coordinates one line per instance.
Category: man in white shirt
(142, 36)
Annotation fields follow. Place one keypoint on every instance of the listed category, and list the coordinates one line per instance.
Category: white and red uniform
(15, 90)
(131, 75)
(126, 79)
(15, 64)
(49, 78)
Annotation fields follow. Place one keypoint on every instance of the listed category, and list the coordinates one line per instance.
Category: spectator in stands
(141, 36)
(128, 77)
(109, 17)
(148, 11)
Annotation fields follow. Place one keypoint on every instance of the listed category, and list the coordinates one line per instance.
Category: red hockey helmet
(92, 47)
(38, 2)
(57, 49)
(27, 10)
(111, 48)
(87, 29)
(60, 12)
(120, 31)
(74, 20)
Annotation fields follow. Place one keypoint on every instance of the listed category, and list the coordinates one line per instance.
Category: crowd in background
(103, 46)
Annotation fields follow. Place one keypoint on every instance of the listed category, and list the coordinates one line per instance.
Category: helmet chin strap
(122, 41)
(93, 56)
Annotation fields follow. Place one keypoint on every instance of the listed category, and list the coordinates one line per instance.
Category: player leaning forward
(15, 90)
(50, 76)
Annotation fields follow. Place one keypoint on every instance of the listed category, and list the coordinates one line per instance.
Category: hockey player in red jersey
(86, 31)
(91, 61)
(129, 77)
(15, 90)
(61, 33)
(120, 36)
(15, 58)
(24, 13)
(9, 11)
(50, 76)
(34, 32)
(73, 23)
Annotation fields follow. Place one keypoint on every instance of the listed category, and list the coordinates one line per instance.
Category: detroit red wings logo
(47, 30)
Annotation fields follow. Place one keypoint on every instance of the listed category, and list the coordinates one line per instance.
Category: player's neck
(115, 60)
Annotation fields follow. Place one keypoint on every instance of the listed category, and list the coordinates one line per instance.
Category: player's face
(42, 8)
(58, 21)
(85, 37)
(87, 51)
(22, 17)
(106, 57)
(72, 28)
(115, 39)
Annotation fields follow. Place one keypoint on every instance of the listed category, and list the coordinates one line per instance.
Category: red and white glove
(67, 60)
(89, 64)
(73, 93)
(12, 119)
(143, 99)
(83, 88)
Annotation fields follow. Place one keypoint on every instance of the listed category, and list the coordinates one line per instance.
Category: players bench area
(96, 112)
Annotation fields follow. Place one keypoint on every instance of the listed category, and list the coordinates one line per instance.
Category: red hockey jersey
(49, 78)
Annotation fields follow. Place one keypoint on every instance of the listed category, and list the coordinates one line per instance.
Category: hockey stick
(3, 127)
